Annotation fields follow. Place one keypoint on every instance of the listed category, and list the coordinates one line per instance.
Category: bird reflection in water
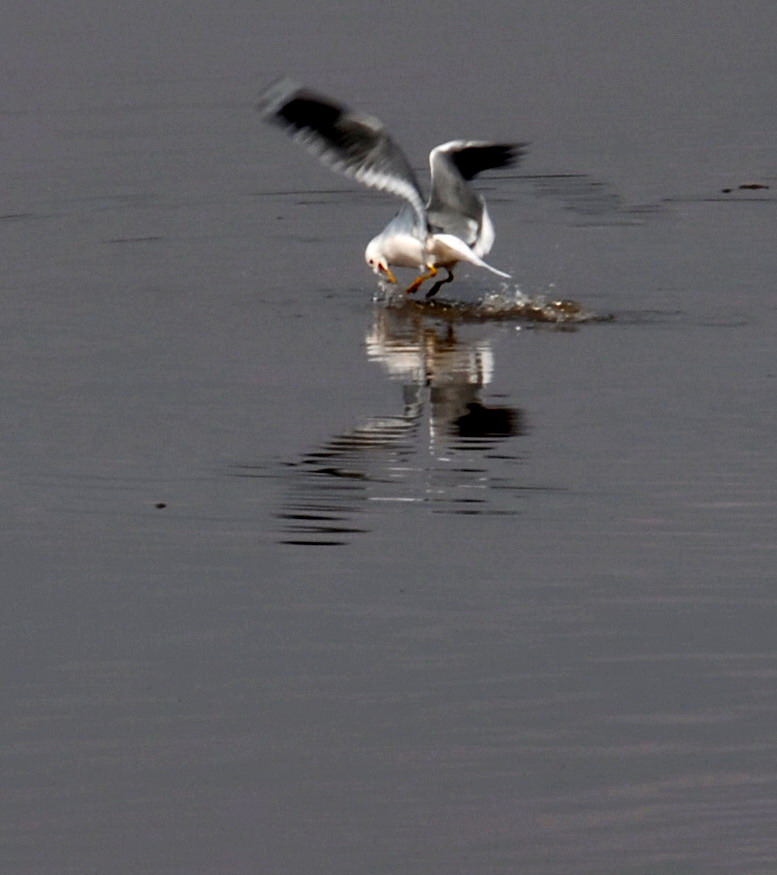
(446, 452)
(443, 372)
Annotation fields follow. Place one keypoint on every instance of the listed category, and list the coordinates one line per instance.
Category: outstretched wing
(454, 206)
(471, 157)
(354, 144)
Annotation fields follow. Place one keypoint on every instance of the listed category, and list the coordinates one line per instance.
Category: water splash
(505, 305)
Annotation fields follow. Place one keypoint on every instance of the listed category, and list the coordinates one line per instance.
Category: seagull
(453, 225)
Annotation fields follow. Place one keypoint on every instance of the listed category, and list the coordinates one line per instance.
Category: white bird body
(400, 249)
(452, 226)
(406, 250)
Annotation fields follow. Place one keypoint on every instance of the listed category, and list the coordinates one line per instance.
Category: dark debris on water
(498, 308)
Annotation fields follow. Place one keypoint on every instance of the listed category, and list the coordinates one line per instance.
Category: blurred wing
(353, 144)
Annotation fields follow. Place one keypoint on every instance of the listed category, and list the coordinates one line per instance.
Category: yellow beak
(389, 275)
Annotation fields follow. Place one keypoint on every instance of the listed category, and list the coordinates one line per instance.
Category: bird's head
(376, 259)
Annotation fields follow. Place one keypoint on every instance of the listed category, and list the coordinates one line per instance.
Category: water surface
(295, 581)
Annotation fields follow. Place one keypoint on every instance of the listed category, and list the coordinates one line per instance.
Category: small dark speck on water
(747, 186)
(160, 505)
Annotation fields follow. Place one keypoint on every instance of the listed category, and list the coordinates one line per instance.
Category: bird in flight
(453, 225)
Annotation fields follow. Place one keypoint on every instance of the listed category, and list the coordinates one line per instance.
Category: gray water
(294, 581)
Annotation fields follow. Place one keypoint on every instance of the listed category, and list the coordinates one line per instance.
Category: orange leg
(416, 284)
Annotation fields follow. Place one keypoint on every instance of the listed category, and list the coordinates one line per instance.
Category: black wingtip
(277, 93)
(474, 158)
(290, 105)
(519, 152)
(507, 154)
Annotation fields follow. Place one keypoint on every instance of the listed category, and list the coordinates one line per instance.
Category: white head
(376, 259)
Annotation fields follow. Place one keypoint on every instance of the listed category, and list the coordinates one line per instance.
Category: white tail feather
(447, 245)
